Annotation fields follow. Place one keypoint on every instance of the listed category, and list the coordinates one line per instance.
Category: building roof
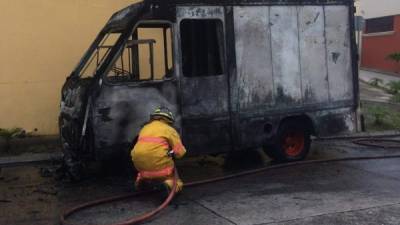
(373, 8)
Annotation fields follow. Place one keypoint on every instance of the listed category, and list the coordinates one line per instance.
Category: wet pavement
(370, 93)
(353, 192)
(367, 75)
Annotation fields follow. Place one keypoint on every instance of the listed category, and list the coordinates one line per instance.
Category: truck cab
(237, 74)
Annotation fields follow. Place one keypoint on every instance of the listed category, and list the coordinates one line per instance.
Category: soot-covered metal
(238, 73)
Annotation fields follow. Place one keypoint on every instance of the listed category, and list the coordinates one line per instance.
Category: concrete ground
(366, 75)
(359, 192)
(370, 93)
(356, 192)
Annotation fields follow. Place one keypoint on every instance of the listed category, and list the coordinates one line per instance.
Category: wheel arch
(303, 119)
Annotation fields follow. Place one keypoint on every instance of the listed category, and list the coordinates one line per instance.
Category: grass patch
(8, 134)
(395, 98)
(394, 87)
(381, 117)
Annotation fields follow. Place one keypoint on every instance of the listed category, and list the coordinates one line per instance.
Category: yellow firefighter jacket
(150, 152)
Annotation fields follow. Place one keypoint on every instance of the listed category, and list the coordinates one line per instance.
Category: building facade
(42, 41)
(381, 36)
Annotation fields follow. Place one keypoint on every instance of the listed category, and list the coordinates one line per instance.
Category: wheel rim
(293, 143)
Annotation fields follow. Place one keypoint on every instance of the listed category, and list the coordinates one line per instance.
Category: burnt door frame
(122, 107)
(204, 100)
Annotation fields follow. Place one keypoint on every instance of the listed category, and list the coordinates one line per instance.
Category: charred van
(239, 74)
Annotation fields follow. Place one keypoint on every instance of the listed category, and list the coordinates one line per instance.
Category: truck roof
(249, 2)
(166, 9)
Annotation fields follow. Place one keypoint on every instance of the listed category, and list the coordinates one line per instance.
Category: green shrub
(380, 117)
(395, 120)
(378, 114)
(394, 56)
(394, 87)
(395, 98)
(9, 134)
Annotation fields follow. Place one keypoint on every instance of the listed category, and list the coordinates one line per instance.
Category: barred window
(202, 47)
(381, 24)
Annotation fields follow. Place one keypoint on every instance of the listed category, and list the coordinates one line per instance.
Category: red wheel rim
(293, 143)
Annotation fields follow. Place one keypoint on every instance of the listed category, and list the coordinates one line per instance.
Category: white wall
(379, 8)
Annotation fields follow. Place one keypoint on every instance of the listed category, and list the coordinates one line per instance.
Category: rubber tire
(276, 150)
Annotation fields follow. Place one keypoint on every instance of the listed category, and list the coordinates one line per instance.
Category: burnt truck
(238, 74)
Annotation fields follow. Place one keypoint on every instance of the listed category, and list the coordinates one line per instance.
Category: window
(202, 47)
(377, 25)
(146, 56)
(99, 55)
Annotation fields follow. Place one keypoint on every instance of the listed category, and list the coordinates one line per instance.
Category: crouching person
(154, 153)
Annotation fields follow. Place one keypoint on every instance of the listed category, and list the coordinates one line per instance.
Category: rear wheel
(292, 143)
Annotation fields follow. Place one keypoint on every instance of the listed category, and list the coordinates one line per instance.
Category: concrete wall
(41, 42)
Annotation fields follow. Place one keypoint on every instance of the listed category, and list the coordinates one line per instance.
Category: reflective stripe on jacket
(150, 152)
(166, 172)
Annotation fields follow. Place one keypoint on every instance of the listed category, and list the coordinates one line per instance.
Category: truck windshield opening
(100, 53)
(146, 56)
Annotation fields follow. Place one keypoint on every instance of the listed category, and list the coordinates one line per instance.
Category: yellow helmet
(164, 112)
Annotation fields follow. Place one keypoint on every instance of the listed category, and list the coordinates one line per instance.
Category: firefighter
(154, 153)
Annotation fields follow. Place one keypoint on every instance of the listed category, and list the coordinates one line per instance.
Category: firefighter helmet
(163, 112)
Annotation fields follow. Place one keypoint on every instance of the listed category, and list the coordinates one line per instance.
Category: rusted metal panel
(200, 12)
(205, 96)
(282, 69)
(303, 56)
(121, 110)
(204, 99)
(314, 72)
(253, 57)
(334, 121)
(338, 46)
(121, 19)
(285, 55)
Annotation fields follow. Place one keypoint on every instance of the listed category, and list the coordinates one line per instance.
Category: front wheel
(292, 143)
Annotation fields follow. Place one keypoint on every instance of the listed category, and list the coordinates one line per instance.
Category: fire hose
(372, 142)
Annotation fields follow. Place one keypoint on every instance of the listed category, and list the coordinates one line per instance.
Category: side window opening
(202, 47)
(146, 56)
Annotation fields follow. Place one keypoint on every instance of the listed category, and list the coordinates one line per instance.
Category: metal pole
(151, 61)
